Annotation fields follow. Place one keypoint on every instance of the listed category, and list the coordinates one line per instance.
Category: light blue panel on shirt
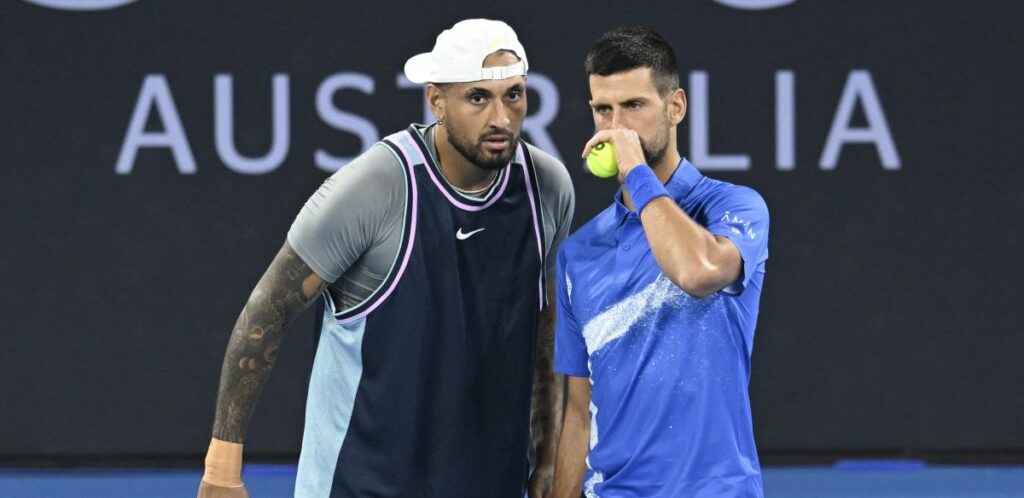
(337, 370)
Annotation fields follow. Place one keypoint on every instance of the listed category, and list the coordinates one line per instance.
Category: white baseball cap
(459, 53)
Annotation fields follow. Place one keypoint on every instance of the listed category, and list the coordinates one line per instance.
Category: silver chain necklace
(471, 193)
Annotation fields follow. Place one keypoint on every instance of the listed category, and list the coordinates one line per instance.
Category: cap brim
(417, 68)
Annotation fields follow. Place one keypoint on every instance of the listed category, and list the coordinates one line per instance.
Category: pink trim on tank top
(414, 206)
(536, 228)
(453, 200)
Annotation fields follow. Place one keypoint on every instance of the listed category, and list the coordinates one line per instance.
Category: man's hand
(629, 153)
(207, 490)
(541, 483)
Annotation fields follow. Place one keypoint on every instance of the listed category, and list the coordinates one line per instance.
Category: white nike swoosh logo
(463, 236)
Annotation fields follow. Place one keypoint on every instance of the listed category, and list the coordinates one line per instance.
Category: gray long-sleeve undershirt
(350, 229)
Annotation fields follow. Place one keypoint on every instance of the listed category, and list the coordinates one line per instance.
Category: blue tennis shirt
(670, 413)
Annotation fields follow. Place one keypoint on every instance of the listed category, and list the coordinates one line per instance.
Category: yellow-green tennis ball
(601, 160)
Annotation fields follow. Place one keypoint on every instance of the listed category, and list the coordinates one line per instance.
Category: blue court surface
(276, 481)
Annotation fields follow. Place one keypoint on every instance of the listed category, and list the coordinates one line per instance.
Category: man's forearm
(689, 255)
(287, 288)
(546, 412)
(570, 465)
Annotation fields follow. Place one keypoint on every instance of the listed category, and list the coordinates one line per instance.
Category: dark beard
(477, 154)
(653, 157)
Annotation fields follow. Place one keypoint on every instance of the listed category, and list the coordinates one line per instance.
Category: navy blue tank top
(424, 389)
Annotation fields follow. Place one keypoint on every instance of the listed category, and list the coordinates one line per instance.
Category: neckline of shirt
(428, 139)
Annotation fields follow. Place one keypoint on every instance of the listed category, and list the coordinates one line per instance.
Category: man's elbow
(700, 283)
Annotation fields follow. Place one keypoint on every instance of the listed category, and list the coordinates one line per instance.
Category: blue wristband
(644, 186)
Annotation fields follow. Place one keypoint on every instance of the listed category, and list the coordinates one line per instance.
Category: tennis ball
(601, 160)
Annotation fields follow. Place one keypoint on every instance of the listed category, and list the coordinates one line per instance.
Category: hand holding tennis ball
(613, 152)
(601, 160)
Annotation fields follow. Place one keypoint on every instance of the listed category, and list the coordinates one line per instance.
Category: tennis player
(657, 300)
(432, 251)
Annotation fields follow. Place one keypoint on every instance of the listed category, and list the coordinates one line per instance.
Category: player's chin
(491, 159)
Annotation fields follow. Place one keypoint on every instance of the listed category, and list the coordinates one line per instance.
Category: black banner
(154, 153)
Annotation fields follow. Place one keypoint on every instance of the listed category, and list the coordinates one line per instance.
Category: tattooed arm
(546, 412)
(285, 290)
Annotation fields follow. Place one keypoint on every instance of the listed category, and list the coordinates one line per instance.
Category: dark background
(890, 319)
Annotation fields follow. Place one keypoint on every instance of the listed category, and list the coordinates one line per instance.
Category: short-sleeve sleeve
(741, 215)
(557, 201)
(347, 214)
(570, 348)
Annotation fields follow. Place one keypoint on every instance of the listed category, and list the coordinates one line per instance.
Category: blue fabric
(670, 413)
(337, 372)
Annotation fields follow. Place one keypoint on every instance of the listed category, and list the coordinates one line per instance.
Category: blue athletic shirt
(670, 412)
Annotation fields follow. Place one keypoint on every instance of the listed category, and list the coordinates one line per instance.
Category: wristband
(224, 464)
(644, 186)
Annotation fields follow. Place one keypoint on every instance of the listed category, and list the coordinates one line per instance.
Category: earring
(440, 121)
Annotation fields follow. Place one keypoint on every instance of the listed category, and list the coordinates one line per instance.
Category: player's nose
(500, 116)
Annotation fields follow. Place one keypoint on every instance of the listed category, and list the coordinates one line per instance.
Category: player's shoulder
(374, 177)
(378, 160)
(595, 228)
(715, 191)
(551, 173)
(542, 158)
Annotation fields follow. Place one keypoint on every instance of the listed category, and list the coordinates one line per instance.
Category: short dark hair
(625, 49)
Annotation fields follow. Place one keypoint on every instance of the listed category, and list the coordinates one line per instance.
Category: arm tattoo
(546, 412)
(285, 290)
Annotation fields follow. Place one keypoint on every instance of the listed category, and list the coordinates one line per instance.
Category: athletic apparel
(670, 413)
(424, 388)
(349, 231)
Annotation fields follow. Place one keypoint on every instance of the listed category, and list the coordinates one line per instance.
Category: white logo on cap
(755, 4)
(81, 4)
